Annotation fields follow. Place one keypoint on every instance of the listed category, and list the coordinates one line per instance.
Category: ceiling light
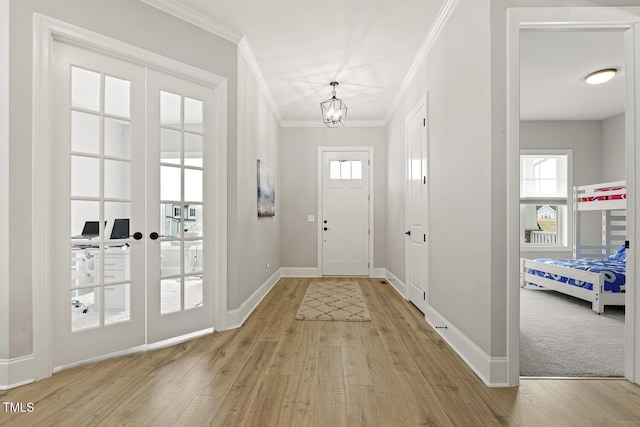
(600, 76)
(334, 110)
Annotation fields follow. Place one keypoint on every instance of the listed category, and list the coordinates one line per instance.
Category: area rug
(560, 336)
(333, 300)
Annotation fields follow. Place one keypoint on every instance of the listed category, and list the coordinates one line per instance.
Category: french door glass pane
(192, 115)
(85, 308)
(193, 185)
(82, 211)
(117, 306)
(192, 150)
(192, 291)
(85, 176)
(117, 138)
(193, 256)
(117, 97)
(170, 255)
(117, 179)
(170, 295)
(170, 183)
(170, 110)
(170, 146)
(85, 89)
(85, 132)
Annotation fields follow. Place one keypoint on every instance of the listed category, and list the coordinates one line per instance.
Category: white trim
(5, 217)
(378, 273)
(45, 31)
(396, 283)
(237, 316)
(369, 150)
(199, 19)
(138, 349)
(16, 372)
(299, 272)
(245, 48)
(563, 18)
(441, 20)
(493, 371)
(318, 123)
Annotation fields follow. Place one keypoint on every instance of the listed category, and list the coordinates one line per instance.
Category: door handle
(408, 233)
(154, 236)
(326, 228)
(137, 235)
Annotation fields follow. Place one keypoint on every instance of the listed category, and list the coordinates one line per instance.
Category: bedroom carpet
(560, 336)
(333, 300)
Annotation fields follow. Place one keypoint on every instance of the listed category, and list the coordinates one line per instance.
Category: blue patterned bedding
(613, 268)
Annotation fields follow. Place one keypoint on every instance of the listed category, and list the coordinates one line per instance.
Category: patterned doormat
(333, 300)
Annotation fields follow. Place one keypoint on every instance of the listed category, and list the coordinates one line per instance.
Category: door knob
(408, 233)
(326, 228)
(137, 235)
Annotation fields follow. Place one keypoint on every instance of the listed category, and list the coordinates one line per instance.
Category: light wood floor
(277, 371)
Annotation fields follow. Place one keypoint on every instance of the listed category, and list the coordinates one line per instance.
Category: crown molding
(192, 16)
(434, 32)
(318, 123)
(245, 48)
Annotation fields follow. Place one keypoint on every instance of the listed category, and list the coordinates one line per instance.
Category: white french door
(179, 146)
(417, 255)
(99, 284)
(130, 232)
(345, 213)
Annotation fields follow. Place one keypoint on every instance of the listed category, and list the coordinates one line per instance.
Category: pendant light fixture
(334, 110)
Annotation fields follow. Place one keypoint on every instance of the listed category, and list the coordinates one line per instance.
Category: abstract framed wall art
(266, 190)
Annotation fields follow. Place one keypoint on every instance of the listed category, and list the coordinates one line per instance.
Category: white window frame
(565, 225)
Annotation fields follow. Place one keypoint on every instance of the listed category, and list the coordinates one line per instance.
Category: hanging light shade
(334, 110)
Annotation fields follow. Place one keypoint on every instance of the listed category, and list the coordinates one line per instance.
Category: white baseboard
(16, 372)
(300, 272)
(237, 316)
(379, 273)
(397, 284)
(493, 371)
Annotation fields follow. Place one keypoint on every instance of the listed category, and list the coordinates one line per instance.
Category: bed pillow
(620, 254)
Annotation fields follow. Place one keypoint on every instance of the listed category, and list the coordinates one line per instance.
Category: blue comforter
(613, 270)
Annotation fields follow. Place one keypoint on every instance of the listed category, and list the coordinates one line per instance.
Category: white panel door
(345, 216)
(178, 150)
(98, 187)
(417, 212)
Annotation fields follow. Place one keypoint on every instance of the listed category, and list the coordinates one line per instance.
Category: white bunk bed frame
(613, 234)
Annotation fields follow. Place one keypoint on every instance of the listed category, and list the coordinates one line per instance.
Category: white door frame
(570, 18)
(321, 151)
(422, 103)
(45, 31)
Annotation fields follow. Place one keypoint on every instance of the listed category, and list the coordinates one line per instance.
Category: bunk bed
(597, 272)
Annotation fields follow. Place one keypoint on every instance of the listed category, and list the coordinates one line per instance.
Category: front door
(345, 213)
(417, 220)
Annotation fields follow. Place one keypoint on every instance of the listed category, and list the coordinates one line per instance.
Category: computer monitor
(120, 229)
(90, 230)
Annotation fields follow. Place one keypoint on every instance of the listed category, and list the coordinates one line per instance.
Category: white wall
(127, 21)
(584, 141)
(258, 239)
(613, 149)
(299, 183)
(456, 74)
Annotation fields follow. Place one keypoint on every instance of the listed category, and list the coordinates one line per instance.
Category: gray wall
(130, 22)
(613, 149)
(299, 183)
(258, 239)
(460, 173)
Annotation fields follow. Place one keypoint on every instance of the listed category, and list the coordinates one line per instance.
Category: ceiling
(370, 47)
(553, 65)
